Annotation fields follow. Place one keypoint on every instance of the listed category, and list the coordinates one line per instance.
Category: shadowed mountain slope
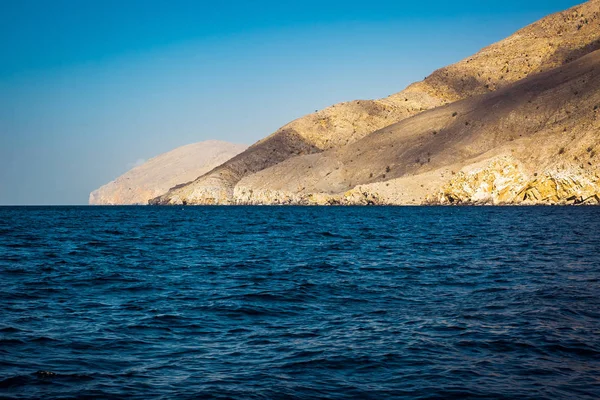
(542, 126)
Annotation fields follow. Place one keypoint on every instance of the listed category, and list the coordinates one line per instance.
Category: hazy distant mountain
(159, 174)
(516, 122)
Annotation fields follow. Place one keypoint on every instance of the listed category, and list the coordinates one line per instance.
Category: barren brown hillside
(549, 43)
(546, 125)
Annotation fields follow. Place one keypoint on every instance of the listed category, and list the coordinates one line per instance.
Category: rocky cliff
(159, 174)
(531, 97)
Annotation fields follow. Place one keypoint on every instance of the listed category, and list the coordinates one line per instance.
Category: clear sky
(88, 88)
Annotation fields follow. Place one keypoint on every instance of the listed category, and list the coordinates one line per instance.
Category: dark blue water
(337, 303)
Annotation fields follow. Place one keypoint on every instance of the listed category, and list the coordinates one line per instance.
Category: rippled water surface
(337, 303)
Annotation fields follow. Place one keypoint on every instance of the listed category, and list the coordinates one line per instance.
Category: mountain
(162, 172)
(462, 117)
(536, 140)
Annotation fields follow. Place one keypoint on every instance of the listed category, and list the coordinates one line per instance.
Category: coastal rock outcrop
(499, 182)
(564, 187)
(505, 181)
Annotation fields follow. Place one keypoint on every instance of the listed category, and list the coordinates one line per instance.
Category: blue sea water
(292, 302)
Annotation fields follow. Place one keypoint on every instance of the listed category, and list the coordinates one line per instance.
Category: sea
(299, 302)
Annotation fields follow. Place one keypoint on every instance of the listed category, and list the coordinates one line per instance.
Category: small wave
(15, 381)
(301, 335)
(43, 339)
(18, 245)
(114, 277)
(17, 271)
(138, 288)
(579, 350)
(113, 232)
(132, 307)
(239, 330)
(167, 317)
(9, 329)
(337, 363)
(297, 294)
(248, 311)
(149, 327)
(502, 346)
(491, 290)
(95, 243)
(12, 259)
(7, 342)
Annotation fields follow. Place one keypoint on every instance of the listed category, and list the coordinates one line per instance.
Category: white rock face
(505, 181)
(157, 175)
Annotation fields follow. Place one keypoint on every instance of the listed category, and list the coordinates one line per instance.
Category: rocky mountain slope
(385, 151)
(162, 172)
(513, 145)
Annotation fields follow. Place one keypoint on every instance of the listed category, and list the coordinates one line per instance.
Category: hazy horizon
(89, 90)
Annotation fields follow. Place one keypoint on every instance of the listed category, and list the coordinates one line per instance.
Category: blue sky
(89, 88)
